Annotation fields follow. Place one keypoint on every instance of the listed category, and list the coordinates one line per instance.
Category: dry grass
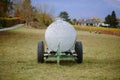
(18, 58)
(102, 30)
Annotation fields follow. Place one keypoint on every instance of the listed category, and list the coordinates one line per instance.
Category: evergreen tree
(64, 15)
(111, 20)
(108, 19)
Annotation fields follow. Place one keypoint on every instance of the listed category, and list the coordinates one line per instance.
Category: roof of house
(88, 21)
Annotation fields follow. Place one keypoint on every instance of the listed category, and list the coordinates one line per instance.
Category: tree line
(33, 16)
(110, 19)
(40, 16)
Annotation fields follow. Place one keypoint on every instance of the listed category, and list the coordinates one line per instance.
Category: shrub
(7, 22)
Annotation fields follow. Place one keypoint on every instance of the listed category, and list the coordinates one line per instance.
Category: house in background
(89, 22)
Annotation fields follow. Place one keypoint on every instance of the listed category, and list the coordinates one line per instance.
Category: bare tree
(45, 14)
(45, 8)
(27, 11)
(42, 13)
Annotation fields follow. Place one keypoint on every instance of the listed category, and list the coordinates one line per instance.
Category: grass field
(18, 57)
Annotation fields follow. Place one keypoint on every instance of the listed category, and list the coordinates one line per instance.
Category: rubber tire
(79, 52)
(40, 52)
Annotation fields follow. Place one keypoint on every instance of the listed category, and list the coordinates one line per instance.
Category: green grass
(18, 57)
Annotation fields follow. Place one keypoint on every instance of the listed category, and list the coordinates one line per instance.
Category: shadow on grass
(62, 63)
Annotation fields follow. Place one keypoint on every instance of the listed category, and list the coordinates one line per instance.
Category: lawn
(18, 57)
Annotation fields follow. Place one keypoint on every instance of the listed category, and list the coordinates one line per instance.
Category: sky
(82, 8)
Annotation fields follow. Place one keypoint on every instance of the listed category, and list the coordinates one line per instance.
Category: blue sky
(82, 8)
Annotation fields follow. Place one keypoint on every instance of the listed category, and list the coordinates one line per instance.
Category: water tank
(60, 33)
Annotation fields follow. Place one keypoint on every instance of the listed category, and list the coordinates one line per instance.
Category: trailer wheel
(79, 51)
(40, 52)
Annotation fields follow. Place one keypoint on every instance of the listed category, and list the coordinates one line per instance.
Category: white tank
(60, 33)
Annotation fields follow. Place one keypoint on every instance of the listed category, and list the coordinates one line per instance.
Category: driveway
(13, 27)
